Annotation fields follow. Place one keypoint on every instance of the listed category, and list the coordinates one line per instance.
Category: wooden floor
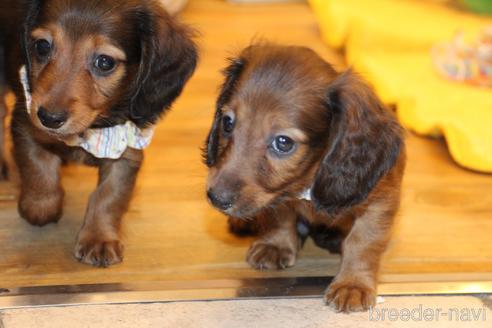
(171, 233)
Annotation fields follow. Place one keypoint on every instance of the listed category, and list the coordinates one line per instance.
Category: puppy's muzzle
(222, 200)
(52, 119)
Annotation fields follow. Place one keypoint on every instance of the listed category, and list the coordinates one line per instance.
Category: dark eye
(42, 48)
(104, 64)
(283, 145)
(227, 124)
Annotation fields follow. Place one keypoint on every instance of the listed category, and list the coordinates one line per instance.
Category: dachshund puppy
(300, 150)
(95, 75)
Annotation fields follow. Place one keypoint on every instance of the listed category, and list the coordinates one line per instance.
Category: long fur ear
(232, 74)
(168, 59)
(365, 141)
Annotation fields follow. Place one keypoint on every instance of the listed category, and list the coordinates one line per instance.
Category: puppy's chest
(70, 154)
(307, 211)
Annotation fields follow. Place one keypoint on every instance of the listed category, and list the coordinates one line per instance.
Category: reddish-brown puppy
(288, 125)
(90, 64)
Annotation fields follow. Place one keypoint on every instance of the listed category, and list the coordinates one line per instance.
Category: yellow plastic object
(389, 42)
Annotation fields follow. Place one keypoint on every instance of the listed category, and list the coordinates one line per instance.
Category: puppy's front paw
(264, 256)
(98, 251)
(41, 209)
(350, 297)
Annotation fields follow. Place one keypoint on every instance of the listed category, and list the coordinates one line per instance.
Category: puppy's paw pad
(264, 256)
(350, 297)
(242, 227)
(99, 253)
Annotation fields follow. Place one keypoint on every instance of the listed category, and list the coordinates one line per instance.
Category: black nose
(222, 201)
(52, 119)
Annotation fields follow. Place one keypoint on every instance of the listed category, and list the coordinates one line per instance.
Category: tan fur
(66, 74)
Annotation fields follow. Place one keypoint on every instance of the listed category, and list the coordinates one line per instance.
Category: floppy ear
(168, 58)
(232, 74)
(364, 143)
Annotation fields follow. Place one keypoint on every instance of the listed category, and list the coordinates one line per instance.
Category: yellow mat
(389, 42)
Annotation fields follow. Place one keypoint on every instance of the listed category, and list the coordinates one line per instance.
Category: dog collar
(25, 85)
(110, 142)
(305, 195)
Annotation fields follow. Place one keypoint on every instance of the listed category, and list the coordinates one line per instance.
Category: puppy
(302, 150)
(95, 75)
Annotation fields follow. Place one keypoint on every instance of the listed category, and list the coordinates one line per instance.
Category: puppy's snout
(221, 200)
(52, 119)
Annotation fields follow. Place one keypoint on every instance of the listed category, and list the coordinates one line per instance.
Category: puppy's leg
(98, 241)
(3, 112)
(354, 287)
(41, 194)
(278, 244)
(242, 227)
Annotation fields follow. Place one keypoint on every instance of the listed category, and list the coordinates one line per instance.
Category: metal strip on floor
(173, 291)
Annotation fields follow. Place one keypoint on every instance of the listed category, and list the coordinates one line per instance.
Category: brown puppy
(288, 125)
(90, 64)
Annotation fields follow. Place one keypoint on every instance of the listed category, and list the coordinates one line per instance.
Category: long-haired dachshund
(94, 76)
(300, 150)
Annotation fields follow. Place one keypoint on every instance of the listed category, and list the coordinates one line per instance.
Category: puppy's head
(286, 121)
(94, 62)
